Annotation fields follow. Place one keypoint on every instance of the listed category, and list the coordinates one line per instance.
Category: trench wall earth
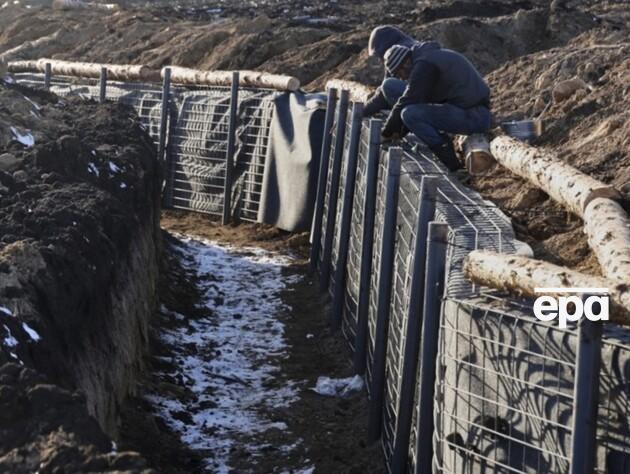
(79, 248)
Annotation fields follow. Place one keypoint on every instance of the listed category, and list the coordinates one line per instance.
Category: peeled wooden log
(522, 275)
(118, 72)
(23, 66)
(358, 92)
(565, 184)
(608, 229)
(183, 75)
(3, 68)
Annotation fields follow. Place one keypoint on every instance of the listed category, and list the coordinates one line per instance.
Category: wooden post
(586, 397)
(346, 216)
(432, 308)
(102, 83)
(231, 149)
(407, 386)
(369, 209)
(375, 411)
(316, 230)
(331, 216)
(47, 75)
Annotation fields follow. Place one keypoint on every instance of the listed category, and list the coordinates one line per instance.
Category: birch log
(23, 66)
(521, 275)
(565, 184)
(117, 72)
(183, 75)
(608, 229)
(358, 92)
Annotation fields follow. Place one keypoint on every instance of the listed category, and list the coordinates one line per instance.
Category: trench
(240, 340)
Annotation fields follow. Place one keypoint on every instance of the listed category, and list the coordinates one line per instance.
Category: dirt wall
(79, 247)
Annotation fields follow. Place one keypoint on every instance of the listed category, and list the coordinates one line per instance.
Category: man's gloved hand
(393, 125)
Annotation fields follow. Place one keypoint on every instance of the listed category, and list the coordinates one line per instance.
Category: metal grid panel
(331, 164)
(376, 261)
(255, 114)
(353, 264)
(613, 433)
(197, 147)
(334, 256)
(408, 205)
(504, 392)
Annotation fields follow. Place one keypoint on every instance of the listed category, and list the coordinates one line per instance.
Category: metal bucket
(525, 130)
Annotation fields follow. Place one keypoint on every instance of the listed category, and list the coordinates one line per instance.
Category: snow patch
(34, 335)
(237, 351)
(6, 311)
(25, 139)
(93, 169)
(338, 387)
(9, 340)
(114, 168)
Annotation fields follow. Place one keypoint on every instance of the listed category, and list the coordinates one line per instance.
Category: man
(434, 91)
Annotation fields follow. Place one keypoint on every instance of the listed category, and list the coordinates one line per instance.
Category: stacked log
(190, 76)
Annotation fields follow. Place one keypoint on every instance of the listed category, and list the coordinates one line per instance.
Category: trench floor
(240, 340)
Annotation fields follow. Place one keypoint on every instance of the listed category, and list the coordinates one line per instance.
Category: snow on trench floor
(236, 352)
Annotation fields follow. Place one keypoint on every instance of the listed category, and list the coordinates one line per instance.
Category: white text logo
(572, 307)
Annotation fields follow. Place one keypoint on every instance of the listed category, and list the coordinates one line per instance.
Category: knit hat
(395, 56)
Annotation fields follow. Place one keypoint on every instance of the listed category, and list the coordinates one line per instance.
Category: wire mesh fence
(503, 398)
(195, 134)
(350, 322)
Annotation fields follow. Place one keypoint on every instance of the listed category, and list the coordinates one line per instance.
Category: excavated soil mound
(79, 207)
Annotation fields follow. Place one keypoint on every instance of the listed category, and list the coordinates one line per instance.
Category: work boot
(446, 154)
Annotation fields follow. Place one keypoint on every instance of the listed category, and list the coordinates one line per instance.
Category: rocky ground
(524, 47)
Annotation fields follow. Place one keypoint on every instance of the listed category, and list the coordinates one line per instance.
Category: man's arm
(421, 80)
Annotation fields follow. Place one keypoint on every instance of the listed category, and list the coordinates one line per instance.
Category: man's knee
(413, 114)
(392, 89)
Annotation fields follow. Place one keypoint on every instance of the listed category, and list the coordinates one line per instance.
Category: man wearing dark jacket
(434, 91)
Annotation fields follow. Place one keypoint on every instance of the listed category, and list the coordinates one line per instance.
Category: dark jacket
(439, 76)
